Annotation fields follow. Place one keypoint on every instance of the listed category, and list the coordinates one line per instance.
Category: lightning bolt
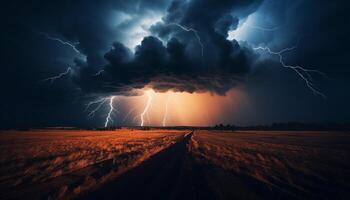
(149, 100)
(166, 109)
(148, 119)
(67, 43)
(111, 109)
(303, 73)
(53, 78)
(261, 28)
(99, 103)
(190, 30)
(128, 114)
(99, 72)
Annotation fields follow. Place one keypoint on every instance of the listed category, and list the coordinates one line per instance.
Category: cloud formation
(107, 32)
(187, 51)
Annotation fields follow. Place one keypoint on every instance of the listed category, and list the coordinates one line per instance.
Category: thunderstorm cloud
(180, 45)
(187, 50)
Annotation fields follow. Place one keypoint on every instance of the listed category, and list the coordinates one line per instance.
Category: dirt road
(164, 176)
(173, 174)
(175, 165)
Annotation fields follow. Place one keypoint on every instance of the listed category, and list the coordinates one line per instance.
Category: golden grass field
(63, 164)
(297, 164)
(29, 158)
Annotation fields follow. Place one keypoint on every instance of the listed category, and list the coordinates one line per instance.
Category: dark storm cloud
(221, 66)
(88, 23)
(28, 56)
(279, 94)
(168, 68)
(225, 24)
(170, 58)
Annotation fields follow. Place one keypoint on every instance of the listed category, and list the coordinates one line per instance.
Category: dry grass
(297, 163)
(58, 164)
(40, 156)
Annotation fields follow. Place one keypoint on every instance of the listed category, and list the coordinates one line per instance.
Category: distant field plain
(66, 163)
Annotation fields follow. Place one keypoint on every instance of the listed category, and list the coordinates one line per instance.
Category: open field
(70, 161)
(169, 164)
(287, 164)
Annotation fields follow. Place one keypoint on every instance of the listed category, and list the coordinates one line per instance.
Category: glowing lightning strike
(149, 100)
(190, 30)
(128, 114)
(301, 71)
(99, 72)
(99, 103)
(62, 42)
(262, 28)
(166, 109)
(111, 109)
(53, 78)
(67, 43)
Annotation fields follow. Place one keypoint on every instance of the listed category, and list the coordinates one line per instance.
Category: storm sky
(211, 53)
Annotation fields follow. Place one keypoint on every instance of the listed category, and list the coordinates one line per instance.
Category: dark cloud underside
(168, 36)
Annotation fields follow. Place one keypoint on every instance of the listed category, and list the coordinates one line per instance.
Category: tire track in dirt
(176, 173)
(163, 176)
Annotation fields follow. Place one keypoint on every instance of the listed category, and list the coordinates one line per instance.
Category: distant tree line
(225, 127)
(290, 126)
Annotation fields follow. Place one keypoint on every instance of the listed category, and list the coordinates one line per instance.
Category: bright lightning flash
(260, 28)
(66, 43)
(165, 117)
(148, 104)
(72, 45)
(54, 78)
(193, 31)
(111, 109)
(99, 72)
(303, 73)
(99, 104)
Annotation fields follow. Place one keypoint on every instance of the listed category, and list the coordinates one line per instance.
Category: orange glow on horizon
(182, 108)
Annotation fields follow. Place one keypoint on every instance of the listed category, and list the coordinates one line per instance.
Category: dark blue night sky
(118, 47)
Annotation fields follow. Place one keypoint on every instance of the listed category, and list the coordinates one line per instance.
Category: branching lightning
(72, 45)
(66, 43)
(165, 117)
(261, 28)
(194, 32)
(99, 72)
(99, 104)
(303, 73)
(53, 78)
(111, 109)
(128, 114)
(148, 104)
